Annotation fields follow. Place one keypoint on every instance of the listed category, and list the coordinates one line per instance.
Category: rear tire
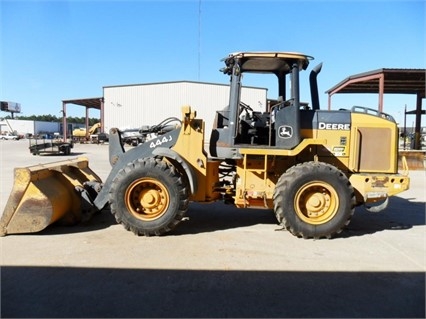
(149, 197)
(314, 200)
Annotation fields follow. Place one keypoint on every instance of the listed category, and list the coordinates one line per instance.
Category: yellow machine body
(356, 151)
(190, 146)
(311, 166)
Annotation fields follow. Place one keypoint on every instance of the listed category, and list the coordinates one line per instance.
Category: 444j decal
(161, 141)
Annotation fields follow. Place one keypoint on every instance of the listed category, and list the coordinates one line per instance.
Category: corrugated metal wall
(20, 126)
(132, 106)
(46, 127)
(33, 127)
(29, 126)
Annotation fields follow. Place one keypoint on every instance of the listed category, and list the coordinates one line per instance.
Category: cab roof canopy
(267, 62)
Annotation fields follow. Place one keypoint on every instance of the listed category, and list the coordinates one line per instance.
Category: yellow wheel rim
(147, 199)
(316, 203)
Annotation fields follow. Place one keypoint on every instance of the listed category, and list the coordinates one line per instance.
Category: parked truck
(8, 136)
(310, 167)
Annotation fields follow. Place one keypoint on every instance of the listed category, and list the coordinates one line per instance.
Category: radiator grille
(375, 149)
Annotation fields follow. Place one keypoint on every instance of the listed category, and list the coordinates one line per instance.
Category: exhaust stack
(314, 86)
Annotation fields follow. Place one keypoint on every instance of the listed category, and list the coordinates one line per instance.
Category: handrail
(371, 111)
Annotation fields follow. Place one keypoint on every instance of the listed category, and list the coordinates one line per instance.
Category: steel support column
(87, 123)
(417, 129)
(102, 115)
(381, 91)
(64, 120)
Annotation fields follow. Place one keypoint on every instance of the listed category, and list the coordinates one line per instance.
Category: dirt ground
(220, 262)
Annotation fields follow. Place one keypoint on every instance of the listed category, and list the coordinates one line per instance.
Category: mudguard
(120, 158)
(171, 154)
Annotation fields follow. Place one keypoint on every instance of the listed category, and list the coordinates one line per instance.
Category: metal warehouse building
(131, 106)
(24, 127)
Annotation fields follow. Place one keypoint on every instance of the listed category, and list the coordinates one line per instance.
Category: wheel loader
(83, 135)
(311, 167)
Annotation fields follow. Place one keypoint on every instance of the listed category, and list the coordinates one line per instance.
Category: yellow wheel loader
(83, 135)
(311, 167)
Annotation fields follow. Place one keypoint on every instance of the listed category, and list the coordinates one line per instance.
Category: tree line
(54, 118)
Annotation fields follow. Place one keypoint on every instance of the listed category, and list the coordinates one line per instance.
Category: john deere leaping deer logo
(285, 131)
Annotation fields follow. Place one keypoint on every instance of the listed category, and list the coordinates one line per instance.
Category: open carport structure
(393, 81)
(89, 103)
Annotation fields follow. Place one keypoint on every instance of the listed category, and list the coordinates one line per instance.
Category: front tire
(149, 197)
(314, 200)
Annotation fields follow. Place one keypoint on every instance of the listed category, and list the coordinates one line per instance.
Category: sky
(58, 50)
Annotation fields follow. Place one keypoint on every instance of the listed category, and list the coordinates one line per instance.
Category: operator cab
(278, 126)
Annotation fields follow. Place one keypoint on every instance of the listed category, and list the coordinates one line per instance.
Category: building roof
(397, 81)
(91, 103)
(176, 82)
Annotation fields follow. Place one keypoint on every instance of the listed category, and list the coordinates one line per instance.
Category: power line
(199, 40)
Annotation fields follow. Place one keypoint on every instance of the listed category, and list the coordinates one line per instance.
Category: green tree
(54, 118)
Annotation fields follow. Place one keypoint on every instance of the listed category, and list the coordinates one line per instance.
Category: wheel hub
(147, 199)
(316, 202)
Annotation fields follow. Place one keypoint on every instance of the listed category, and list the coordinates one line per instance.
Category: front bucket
(44, 194)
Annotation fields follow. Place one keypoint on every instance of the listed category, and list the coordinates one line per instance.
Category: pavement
(220, 262)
